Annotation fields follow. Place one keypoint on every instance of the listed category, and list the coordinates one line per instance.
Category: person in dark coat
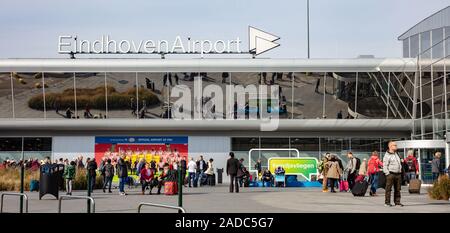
(232, 170)
(122, 172)
(108, 171)
(91, 172)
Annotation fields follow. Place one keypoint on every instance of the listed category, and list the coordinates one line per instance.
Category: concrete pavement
(254, 200)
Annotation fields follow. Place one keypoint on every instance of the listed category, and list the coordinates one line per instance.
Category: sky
(338, 28)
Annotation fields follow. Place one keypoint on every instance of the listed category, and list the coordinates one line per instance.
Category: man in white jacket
(392, 168)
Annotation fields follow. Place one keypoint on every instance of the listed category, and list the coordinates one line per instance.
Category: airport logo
(259, 42)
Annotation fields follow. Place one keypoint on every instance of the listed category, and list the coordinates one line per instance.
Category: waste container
(49, 180)
(219, 175)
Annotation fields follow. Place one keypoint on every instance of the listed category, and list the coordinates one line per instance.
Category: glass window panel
(28, 95)
(308, 147)
(122, 95)
(90, 95)
(59, 94)
(406, 47)
(447, 41)
(425, 45)
(154, 93)
(438, 44)
(274, 142)
(6, 96)
(414, 47)
(308, 96)
(251, 103)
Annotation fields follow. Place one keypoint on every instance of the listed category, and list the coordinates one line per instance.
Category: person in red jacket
(147, 176)
(373, 167)
(412, 166)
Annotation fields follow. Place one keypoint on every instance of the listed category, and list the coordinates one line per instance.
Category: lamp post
(22, 177)
(180, 188)
(307, 27)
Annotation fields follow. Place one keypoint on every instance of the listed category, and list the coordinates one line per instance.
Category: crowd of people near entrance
(150, 173)
(392, 169)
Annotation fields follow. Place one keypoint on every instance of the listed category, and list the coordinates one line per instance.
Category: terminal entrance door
(424, 151)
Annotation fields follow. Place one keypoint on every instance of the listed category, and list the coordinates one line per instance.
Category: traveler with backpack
(108, 170)
(352, 169)
(412, 166)
(436, 165)
(69, 175)
(373, 167)
(392, 168)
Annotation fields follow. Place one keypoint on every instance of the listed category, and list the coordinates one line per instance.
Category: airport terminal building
(71, 107)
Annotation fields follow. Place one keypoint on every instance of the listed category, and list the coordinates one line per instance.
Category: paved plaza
(254, 200)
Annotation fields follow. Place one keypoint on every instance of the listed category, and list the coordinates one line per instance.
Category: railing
(76, 197)
(181, 209)
(14, 194)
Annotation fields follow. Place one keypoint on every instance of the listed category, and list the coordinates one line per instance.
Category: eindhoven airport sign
(259, 42)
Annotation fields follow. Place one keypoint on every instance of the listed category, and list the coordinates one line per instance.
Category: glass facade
(216, 95)
(11, 148)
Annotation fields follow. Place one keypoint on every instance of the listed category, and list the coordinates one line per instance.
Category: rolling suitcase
(343, 186)
(360, 188)
(170, 188)
(414, 186)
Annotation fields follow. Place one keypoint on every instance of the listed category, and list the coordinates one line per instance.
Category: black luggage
(212, 180)
(360, 188)
(381, 180)
(414, 186)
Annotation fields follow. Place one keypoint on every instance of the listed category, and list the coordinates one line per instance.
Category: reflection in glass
(28, 95)
(6, 96)
(59, 95)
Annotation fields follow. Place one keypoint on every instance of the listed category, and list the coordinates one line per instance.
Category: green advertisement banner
(304, 166)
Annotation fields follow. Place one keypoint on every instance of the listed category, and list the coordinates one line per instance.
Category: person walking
(232, 169)
(351, 169)
(334, 172)
(192, 167)
(436, 165)
(412, 166)
(69, 175)
(373, 167)
(122, 172)
(92, 173)
(108, 170)
(392, 168)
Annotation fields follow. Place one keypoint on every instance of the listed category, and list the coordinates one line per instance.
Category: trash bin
(219, 175)
(49, 180)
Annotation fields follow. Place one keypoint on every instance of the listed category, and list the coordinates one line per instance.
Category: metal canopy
(209, 65)
(148, 125)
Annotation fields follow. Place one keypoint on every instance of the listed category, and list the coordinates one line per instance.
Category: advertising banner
(159, 149)
(304, 166)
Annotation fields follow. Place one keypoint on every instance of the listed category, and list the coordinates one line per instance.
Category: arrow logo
(261, 41)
